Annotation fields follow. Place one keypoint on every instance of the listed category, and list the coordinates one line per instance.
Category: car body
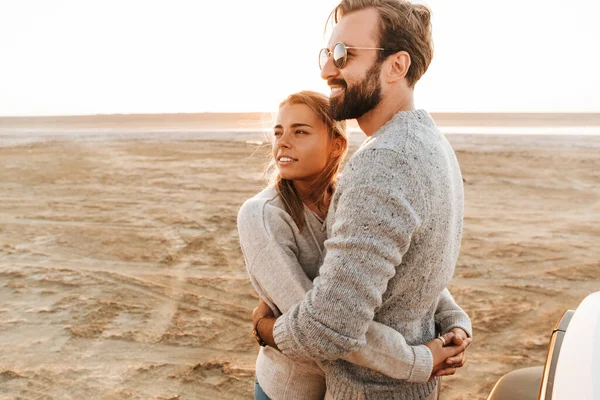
(572, 368)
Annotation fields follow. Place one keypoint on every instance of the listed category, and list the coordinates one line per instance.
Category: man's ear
(398, 66)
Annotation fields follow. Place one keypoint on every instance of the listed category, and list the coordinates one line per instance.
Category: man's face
(356, 88)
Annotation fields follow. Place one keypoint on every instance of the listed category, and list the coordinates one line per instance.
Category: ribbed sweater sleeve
(449, 315)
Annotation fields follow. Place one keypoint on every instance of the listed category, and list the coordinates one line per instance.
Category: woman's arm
(270, 254)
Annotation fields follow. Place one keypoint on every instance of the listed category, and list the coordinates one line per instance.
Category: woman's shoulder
(268, 197)
(265, 207)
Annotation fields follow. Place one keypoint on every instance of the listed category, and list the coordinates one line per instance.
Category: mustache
(337, 82)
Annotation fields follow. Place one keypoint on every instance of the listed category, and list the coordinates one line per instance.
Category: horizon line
(567, 112)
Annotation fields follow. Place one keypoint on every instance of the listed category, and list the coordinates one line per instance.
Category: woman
(282, 233)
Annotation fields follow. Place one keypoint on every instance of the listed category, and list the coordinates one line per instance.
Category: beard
(359, 99)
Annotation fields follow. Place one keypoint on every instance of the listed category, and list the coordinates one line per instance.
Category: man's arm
(449, 315)
(280, 280)
(374, 222)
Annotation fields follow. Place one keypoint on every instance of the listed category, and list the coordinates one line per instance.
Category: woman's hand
(443, 350)
(263, 310)
(264, 314)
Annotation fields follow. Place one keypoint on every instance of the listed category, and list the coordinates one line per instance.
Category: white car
(572, 369)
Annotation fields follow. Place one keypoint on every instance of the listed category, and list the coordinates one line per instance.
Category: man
(395, 221)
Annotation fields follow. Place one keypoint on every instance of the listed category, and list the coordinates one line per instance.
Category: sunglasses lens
(339, 55)
(323, 56)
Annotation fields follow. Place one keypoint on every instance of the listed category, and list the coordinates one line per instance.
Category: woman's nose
(283, 141)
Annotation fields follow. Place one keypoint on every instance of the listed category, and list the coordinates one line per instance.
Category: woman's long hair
(326, 181)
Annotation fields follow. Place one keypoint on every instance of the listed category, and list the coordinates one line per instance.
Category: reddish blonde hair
(326, 181)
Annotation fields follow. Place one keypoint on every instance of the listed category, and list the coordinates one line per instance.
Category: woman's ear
(337, 147)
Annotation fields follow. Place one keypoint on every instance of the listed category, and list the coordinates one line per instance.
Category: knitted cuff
(457, 321)
(281, 335)
(423, 366)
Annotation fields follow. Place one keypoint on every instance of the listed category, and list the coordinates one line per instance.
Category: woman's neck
(307, 194)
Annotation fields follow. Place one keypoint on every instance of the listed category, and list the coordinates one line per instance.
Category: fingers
(445, 371)
(437, 344)
(467, 342)
(459, 335)
(262, 304)
(446, 338)
(458, 340)
(263, 309)
(451, 351)
(457, 360)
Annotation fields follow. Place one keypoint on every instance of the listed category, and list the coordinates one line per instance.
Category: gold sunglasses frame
(330, 53)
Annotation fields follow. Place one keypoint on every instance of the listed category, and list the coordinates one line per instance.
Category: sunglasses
(340, 54)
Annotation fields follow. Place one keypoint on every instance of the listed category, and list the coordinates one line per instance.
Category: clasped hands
(448, 352)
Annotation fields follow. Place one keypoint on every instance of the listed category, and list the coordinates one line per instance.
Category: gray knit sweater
(282, 262)
(394, 229)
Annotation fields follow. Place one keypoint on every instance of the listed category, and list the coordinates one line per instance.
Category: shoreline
(446, 130)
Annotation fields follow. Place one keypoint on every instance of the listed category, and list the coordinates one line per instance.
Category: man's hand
(458, 360)
(448, 350)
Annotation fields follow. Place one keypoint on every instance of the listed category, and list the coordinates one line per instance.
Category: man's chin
(337, 94)
(336, 109)
(339, 113)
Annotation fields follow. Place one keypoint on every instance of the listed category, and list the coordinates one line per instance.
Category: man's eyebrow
(296, 125)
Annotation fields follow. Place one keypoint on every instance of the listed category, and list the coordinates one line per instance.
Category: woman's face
(301, 143)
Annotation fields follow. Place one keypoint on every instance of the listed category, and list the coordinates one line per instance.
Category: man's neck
(385, 110)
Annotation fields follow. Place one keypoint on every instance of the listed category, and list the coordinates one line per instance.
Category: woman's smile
(283, 161)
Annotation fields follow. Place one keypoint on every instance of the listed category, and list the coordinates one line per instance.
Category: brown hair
(403, 26)
(326, 181)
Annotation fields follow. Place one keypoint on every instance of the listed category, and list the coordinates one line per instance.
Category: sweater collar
(419, 116)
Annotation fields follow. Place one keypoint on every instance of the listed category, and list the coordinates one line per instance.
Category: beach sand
(121, 275)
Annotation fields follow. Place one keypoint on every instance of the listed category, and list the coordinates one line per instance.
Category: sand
(121, 276)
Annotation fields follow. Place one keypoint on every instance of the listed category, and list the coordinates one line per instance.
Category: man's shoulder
(402, 149)
(405, 131)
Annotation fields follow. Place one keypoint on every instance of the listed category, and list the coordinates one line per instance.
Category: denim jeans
(259, 394)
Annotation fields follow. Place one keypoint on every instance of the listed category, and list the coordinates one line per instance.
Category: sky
(73, 57)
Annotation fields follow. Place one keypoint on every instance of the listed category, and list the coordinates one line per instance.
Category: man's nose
(329, 70)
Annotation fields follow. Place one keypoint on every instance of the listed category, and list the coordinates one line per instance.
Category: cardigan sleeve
(270, 253)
